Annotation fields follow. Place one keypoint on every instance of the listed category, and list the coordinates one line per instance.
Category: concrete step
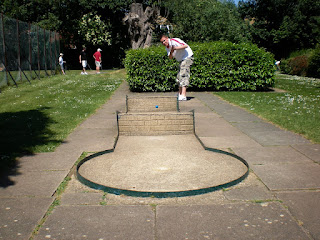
(152, 104)
(155, 123)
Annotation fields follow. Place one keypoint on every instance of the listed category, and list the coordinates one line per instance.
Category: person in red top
(97, 58)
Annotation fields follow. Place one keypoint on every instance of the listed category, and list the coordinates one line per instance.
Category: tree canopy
(207, 20)
(280, 26)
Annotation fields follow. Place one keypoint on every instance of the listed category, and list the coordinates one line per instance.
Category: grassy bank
(297, 108)
(37, 117)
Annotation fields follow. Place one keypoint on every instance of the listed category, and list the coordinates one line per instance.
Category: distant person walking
(97, 58)
(178, 49)
(83, 60)
(277, 63)
(61, 62)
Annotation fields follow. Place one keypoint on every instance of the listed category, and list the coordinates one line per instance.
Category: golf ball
(156, 106)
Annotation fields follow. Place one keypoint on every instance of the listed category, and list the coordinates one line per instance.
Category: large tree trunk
(140, 23)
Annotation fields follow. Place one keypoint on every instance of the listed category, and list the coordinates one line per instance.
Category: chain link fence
(26, 51)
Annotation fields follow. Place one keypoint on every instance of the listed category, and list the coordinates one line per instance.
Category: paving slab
(227, 221)
(251, 189)
(114, 105)
(274, 138)
(99, 222)
(229, 141)
(93, 140)
(289, 175)
(260, 126)
(310, 150)
(209, 116)
(19, 216)
(48, 161)
(304, 206)
(206, 96)
(214, 127)
(40, 183)
(271, 155)
(90, 133)
(238, 115)
(253, 193)
(109, 121)
(230, 112)
(82, 198)
(220, 106)
(194, 104)
(67, 147)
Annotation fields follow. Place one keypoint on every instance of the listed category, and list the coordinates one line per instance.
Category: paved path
(278, 200)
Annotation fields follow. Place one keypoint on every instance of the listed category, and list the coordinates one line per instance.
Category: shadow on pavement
(20, 133)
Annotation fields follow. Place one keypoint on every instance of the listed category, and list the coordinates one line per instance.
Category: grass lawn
(37, 117)
(297, 109)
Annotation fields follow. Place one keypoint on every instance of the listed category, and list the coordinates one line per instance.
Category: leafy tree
(282, 26)
(94, 29)
(206, 20)
(65, 16)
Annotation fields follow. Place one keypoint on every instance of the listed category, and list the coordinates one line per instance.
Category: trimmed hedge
(217, 66)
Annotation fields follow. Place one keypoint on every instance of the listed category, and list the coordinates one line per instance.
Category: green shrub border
(307, 63)
(217, 66)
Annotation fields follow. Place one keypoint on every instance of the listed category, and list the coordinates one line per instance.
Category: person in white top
(61, 62)
(178, 49)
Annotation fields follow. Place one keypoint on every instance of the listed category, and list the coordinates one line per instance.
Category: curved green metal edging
(118, 191)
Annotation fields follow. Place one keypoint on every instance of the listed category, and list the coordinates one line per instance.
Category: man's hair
(162, 35)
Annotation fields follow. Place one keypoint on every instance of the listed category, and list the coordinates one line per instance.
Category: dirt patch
(277, 90)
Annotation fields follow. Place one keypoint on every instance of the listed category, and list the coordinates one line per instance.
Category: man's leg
(97, 67)
(184, 77)
(184, 91)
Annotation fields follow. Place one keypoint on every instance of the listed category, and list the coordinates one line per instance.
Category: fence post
(4, 49)
(45, 52)
(19, 58)
(5, 55)
(56, 54)
(30, 53)
(39, 68)
(50, 51)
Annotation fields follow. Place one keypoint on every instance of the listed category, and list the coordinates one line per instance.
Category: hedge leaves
(217, 66)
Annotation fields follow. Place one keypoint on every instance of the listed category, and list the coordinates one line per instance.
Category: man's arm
(176, 48)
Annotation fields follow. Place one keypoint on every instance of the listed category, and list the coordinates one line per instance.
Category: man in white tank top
(178, 49)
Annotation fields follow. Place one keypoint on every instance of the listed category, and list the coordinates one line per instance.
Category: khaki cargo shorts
(183, 75)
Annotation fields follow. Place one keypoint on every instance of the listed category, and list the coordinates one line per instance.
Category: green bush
(217, 66)
(303, 63)
(314, 64)
(296, 66)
